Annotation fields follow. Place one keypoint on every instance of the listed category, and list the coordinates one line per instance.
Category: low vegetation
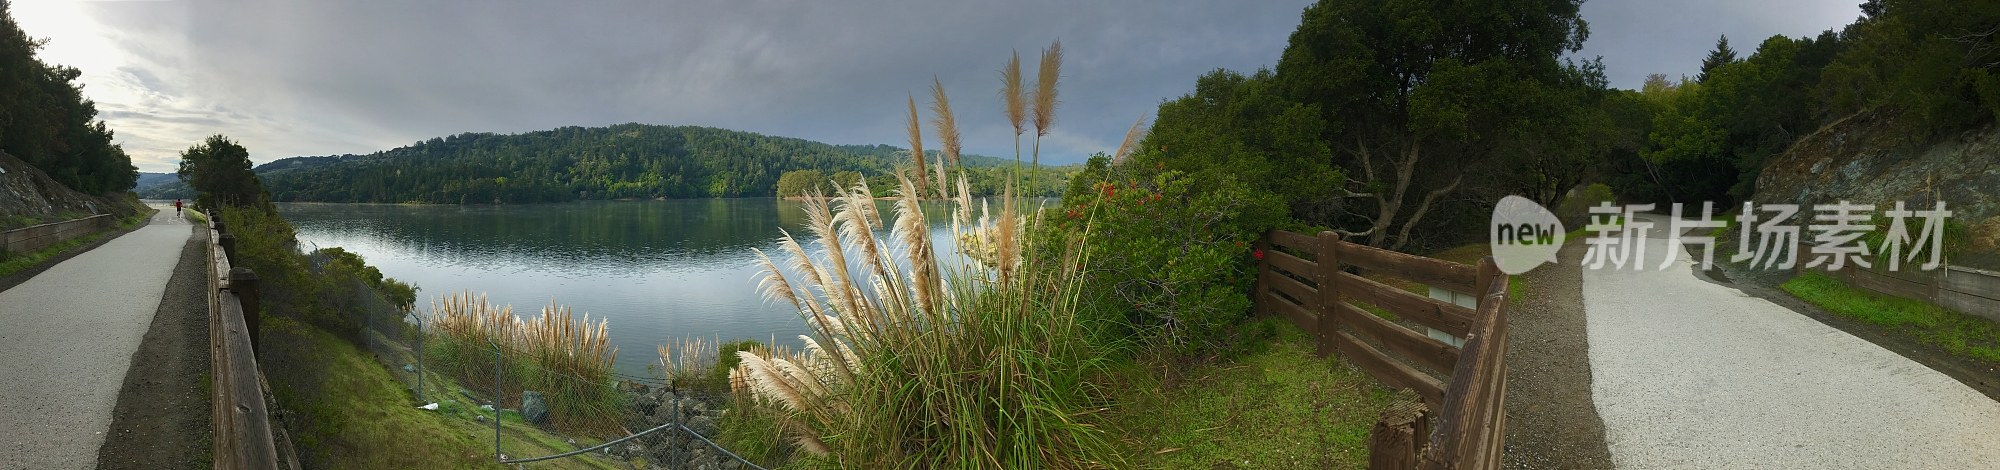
(1958, 333)
(1274, 406)
(11, 263)
(568, 360)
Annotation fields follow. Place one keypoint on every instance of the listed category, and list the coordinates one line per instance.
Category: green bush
(1575, 209)
(1171, 253)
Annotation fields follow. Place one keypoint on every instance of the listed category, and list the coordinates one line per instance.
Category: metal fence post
(497, 394)
(679, 455)
(420, 358)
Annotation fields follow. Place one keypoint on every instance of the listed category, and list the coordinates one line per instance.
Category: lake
(657, 270)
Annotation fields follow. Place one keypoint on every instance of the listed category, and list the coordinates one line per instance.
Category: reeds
(567, 359)
(921, 359)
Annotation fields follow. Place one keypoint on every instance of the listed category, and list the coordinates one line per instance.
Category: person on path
(177, 207)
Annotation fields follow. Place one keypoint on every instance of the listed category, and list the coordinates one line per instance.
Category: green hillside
(572, 163)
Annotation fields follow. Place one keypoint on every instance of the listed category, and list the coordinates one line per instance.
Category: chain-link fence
(545, 392)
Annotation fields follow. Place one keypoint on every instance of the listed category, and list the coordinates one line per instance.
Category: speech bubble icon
(1524, 235)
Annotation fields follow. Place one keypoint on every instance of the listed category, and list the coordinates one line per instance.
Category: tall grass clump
(919, 358)
(568, 359)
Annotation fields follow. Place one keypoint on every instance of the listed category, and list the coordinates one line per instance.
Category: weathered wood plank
(1294, 241)
(1419, 348)
(1970, 304)
(1469, 401)
(1293, 312)
(1970, 281)
(1294, 265)
(1890, 285)
(1440, 273)
(1398, 439)
(1387, 370)
(1329, 297)
(248, 441)
(1430, 312)
(1292, 287)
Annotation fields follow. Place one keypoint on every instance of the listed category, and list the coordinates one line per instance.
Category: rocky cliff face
(1857, 159)
(29, 197)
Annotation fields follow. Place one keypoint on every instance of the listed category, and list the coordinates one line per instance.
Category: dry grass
(1131, 141)
(567, 359)
(922, 360)
(917, 143)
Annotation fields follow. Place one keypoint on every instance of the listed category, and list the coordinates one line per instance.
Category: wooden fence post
(244, 282)
(1329, 295)
(1258, 291)
(228, 243)
(1487, 272)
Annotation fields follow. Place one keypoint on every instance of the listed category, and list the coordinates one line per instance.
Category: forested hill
(570, 163)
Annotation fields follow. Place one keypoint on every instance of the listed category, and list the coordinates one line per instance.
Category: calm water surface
(658, 270)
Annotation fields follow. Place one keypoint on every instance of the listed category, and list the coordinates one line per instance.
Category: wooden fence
(244, 437)
(36, 237)
(1305, 279)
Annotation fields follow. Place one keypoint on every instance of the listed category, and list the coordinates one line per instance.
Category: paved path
(1690, 374)
(68, 338)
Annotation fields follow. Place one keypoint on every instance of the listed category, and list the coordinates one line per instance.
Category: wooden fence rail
(1306, 279)
(244, 437)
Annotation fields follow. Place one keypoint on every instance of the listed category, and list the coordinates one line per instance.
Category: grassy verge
(1278, 408)
(11, 263)
(357, 415)
(1958, 333)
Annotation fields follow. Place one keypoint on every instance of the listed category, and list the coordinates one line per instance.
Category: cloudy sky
(326, 77)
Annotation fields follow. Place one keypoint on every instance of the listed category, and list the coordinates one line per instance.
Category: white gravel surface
(67, 337)
(1690, 374)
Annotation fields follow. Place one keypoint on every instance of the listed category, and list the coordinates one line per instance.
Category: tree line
(1398, 123)
(573, 163)
(46, 121)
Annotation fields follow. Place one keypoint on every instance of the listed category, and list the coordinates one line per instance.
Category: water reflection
(656, 269)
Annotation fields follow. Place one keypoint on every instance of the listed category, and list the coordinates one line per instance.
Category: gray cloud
(1641, 37)
(325, 77)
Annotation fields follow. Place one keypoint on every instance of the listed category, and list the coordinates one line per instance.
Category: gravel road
(1690, 374)
(69, 337)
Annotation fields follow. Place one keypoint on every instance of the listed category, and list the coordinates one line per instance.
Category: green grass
(1958, 333)
(1275, 408)
(358, 415)
(11, 263)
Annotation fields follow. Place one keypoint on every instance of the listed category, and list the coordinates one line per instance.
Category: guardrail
(1463, 388)
(244, 437)
(36, 237)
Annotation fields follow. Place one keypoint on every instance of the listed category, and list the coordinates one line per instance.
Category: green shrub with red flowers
(1170, 252)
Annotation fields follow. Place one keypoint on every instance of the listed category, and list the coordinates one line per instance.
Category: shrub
(1172, 257)
(1575, 208)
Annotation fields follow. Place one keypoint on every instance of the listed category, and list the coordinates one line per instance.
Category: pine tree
(1722, 55)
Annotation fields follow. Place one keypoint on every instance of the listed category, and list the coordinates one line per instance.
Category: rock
(534, 409)
(479, 418)
(702, 425)
(409, 368)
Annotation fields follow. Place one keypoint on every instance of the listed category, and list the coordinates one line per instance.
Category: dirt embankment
(1862, 159)
(28, 197)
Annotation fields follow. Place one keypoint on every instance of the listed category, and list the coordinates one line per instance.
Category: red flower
(1156, 196)
(1259, 254)
(1110, 189)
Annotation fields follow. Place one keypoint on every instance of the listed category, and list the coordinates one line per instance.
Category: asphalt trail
(67, 338)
